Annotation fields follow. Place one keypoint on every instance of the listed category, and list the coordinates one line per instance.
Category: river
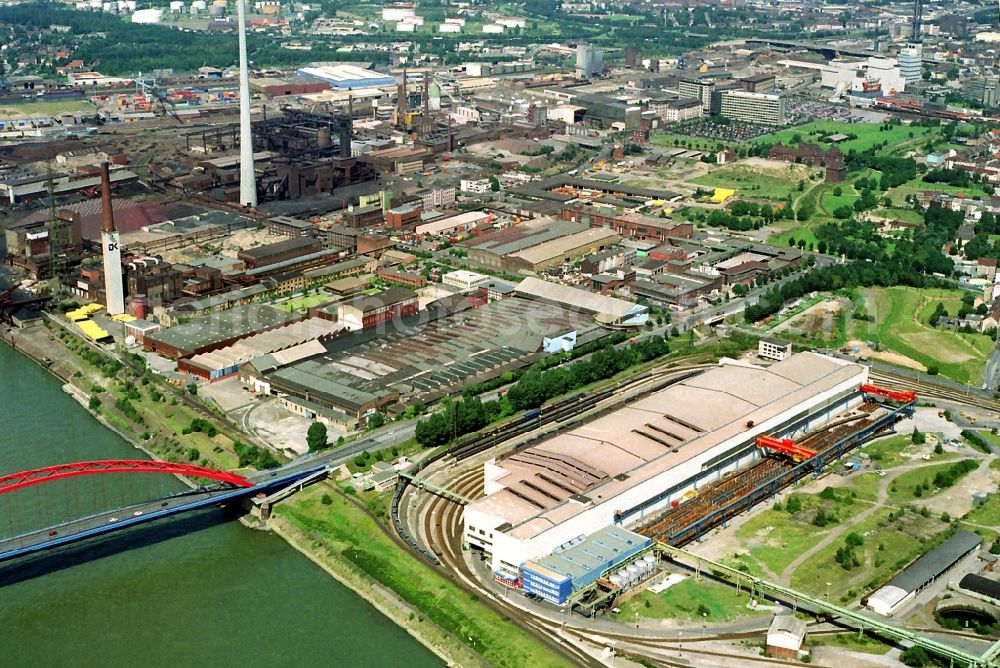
(196, 591)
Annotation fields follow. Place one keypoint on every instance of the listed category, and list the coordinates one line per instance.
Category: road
(991, 372)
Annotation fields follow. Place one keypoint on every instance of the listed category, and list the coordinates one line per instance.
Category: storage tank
(140, 307)
(147, 16)
(633, 573)
(323, 137)
(177, 6)
(616, 580)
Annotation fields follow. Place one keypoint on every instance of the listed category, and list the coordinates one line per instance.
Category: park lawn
(901, 325)
(901, 540)
(850, 641)
(43, 109)
(353, 537)
(868, 134)
(987, 512)
(751, 182)
(683, 600)
(905, 483)
(899, 194)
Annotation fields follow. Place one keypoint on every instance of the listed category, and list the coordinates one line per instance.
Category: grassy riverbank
(350, 537)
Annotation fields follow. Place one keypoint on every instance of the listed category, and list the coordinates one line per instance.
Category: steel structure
(234, 488)
(15, 481)
(785, 446)
(845, 439)
(850, 617)
(903, 396)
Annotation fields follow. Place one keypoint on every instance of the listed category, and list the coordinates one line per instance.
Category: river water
(197, 591)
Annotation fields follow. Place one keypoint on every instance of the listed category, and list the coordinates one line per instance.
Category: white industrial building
(870, 76)
(639, 459)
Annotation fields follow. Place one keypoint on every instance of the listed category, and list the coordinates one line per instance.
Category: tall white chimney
(114, 291)
(248, 180)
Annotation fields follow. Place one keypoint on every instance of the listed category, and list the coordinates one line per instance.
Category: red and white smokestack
(108, 224)
(114, 290)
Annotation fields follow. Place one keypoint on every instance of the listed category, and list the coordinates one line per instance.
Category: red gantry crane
(903, 396)
(785, 446)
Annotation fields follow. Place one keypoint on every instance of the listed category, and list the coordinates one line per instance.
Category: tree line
(536, 386)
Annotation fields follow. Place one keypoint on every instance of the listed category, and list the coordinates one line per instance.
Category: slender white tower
(248, 180)
(113, 290)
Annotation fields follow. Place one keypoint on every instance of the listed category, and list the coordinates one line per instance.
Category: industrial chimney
(113, 289)
(248, 179)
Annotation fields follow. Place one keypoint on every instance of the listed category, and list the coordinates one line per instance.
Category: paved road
(991, 372)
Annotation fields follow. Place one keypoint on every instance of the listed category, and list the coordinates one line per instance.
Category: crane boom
(785, 446)
(904, 396)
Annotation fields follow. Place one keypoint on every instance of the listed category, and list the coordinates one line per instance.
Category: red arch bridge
(219, 487)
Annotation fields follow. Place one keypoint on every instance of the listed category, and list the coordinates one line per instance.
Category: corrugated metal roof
(935, 562)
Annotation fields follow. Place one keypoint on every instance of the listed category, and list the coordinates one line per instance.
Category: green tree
(917, 437)
(915, 657)
(316, 437)
(375, 420)
(95, 403)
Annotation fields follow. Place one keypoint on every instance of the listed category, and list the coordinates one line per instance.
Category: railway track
(927, 390)
(442, 525)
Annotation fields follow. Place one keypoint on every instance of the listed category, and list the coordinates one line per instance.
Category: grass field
(752, 182)
(684, 600)
(988, 512)
(904, 215)
(43, 109)
(774, 538)
(901, 541)
(905, 485)
(868, 134)
(899, 194)
(354, 537)
(830, 202)
(303, 302)
(688, 142)
(851, 641)
(887, 452)
(901, 325)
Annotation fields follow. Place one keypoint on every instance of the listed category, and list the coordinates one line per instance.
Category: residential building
(774, 349)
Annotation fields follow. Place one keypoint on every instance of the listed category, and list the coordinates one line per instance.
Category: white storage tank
(177, 6)
(616, 580)
(147, 16)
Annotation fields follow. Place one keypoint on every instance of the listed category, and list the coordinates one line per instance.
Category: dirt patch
(864, 350)
(818, 318)
(774, 167)
(957, 500)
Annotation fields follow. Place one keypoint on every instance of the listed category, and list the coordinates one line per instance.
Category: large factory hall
(575, 510)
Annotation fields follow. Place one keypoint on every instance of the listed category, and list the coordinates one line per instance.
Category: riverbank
(77, 381)
(384, 600)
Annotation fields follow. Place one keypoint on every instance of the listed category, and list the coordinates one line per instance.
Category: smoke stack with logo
(248, 180)
(113, 291)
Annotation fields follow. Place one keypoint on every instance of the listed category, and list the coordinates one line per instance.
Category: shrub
(326, 499)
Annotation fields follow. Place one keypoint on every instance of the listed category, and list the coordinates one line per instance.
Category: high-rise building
(589, 61)
(910, 60)
(984, 90)
(763, 108)
(111, 249)
(698, 89)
